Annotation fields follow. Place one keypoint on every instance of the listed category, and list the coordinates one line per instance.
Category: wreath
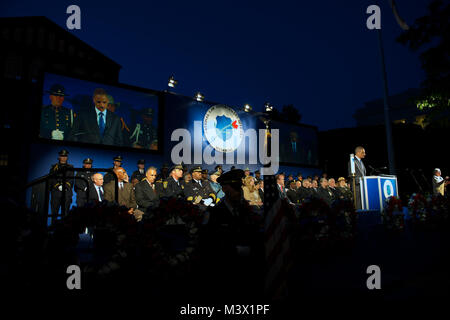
(392, 215)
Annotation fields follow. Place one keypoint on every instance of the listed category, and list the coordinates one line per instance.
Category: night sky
(317, 55)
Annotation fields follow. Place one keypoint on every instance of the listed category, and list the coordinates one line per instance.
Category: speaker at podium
(376, 189)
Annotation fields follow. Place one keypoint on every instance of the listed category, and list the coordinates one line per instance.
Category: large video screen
(89, 112)
(298, 144)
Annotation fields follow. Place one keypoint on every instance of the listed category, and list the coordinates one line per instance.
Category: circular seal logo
(223, 128)
(388, 189)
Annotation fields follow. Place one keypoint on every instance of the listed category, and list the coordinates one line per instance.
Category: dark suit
(345, 193)
(314, 192)
(281, 192)
(261, 194)
(138, 175)
(86, 129)
(53, 118)
(108, 177)
(146, 196)
(326, 195)
(194, 189)
(293, 196)
(303, 193)
(336, 193)
(81, 187)
(360, 171)
(173, 189)
(93, 194)
(126, 195)
(58, 181)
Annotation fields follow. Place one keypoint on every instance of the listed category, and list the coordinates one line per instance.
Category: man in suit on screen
(97, 124)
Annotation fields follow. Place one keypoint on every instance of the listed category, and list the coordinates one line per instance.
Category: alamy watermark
(255, 139)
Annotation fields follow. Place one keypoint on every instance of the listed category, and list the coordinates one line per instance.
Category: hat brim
(57, 94)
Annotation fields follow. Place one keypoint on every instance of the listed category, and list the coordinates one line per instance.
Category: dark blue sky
(317, 55)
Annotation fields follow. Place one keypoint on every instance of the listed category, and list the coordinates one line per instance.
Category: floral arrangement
(418, 207)
(430, 209)
(392, 215)
(439, 207)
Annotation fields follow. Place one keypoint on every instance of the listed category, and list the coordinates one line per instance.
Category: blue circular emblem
(223, 128)
(388, 189)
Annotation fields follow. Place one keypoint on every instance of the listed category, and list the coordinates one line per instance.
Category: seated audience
(251, 194)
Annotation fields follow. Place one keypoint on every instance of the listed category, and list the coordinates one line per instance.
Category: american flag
(277, 213)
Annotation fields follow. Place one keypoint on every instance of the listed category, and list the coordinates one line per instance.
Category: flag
(400, 21)
(277, 240)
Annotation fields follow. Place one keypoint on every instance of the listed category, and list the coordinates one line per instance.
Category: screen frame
(296, 164)
(160, 118)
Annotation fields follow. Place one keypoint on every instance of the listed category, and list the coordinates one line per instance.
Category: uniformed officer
(58, 184)
(144, 134)
(56, 120)
(257, 175)
(216, 186)
(139, 174)
(218, 168)
(199, 191)
(110, 176)
(81, 186)
(205, 174)
(173, 186)
(164, 173)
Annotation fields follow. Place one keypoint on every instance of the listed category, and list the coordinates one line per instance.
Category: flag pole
(387, 120)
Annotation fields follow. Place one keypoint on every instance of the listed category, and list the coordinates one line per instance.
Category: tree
(291, 114)
(430, 35)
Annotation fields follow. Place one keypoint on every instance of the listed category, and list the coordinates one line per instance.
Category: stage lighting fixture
(268, 107)
(172, 82)
(199, 97)
(247, 108)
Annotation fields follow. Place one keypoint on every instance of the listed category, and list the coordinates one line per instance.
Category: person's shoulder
(141, 183)
(128, 185)
(109, 184)
(113, 116)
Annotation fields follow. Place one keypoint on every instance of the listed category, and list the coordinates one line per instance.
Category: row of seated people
(297, 191)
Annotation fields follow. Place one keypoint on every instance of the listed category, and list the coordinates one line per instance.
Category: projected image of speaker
(98, 114)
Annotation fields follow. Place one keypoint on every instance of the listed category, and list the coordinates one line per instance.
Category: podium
(376, 189)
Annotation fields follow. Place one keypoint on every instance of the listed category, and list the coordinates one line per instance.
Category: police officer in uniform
(164, 173)
(144, 134)
(56, 120)
(81, 186)
(199, 191)
(110, 176)
(57, 184)
(218, 168)
(173, 186)
(139, 174)
(205, 174)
